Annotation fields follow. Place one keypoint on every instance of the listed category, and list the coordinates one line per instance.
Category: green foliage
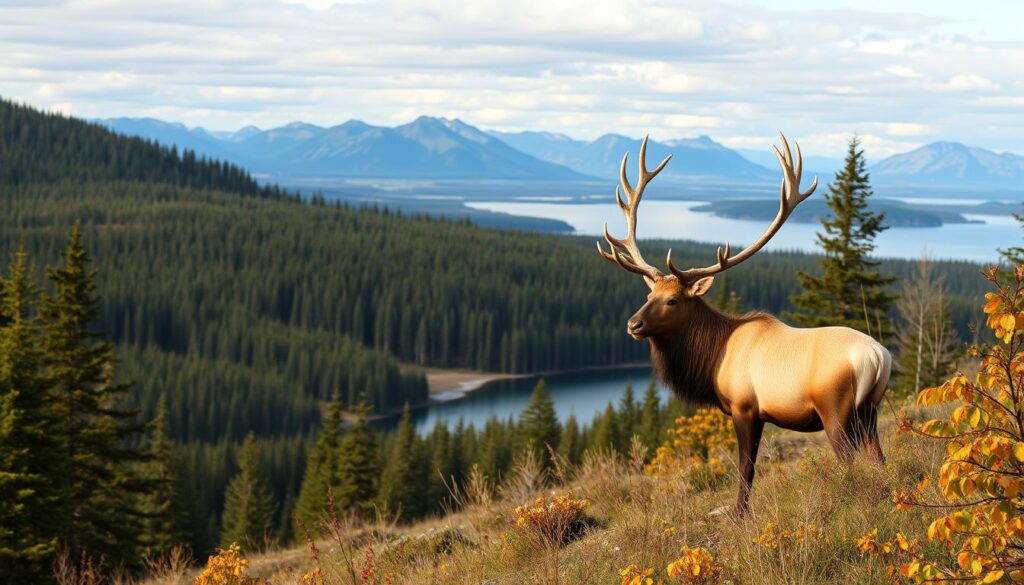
(249, 506)
(850, 290)
(96, 429)
(29, 480)
(538, 424)
(166, 505)
(403, 480)
(358, 465)
(322, 472)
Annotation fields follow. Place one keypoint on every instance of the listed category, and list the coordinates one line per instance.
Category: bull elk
(753, 367)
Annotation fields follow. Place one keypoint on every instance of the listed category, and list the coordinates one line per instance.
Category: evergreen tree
(850, 290)
(570, 446)
(249, 506)
(629, 415)
(166, 506)
(96, 430)
(606, 431)
(538, 424)
(358, 467)
(322, 471)
(401, 483)
(727, 299)
(652, 430)
(29, 506)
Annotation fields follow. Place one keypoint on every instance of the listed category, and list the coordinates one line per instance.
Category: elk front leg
(748, 439)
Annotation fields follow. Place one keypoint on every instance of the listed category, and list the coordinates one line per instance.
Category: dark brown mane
(687, 362)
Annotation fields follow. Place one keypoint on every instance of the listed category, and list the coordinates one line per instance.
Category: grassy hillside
(806, 513)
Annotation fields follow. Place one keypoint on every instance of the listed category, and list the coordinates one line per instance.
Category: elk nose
(636, 325)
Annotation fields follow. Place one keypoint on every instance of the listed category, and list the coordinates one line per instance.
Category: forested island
(897, 213)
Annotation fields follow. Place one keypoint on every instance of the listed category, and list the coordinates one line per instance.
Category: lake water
(582, 393)
(676, 220)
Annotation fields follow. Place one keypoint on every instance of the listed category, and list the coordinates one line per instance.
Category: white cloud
(583, 67)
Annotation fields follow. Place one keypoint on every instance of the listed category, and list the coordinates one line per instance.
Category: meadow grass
(806, 512)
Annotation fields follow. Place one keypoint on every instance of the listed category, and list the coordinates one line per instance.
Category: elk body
(753, 367)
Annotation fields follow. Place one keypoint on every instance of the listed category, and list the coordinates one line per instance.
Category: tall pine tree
(538, 424)
(321, 469)
(249, 506)
(402, 485)
(166, 506)
(850, 291)
(358, 467)
(96, 430)
(29, 505)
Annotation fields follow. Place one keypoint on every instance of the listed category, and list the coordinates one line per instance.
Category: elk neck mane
(688, 360)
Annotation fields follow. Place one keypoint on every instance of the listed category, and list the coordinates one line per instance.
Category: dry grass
(806, 512)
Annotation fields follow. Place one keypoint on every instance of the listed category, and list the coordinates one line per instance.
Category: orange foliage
(981, 480)
(227, 567)
(701, 440)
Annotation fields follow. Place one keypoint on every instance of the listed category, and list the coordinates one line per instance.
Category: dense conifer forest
(246, 309)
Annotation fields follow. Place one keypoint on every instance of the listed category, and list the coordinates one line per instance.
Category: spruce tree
(606, 431)
(629, 414)
(249, 506)
(358, 467)
(850, 291)
(96, 430)
(570, 446)
(538, 425)
(651, 427)
(321, 469)
(29, 505)
(402, 484)
(166, 506)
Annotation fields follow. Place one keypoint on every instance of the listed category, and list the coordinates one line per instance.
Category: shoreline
(445, 385)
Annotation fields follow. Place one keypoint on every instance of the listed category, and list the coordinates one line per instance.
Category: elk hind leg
(839, 429)
(867, 433)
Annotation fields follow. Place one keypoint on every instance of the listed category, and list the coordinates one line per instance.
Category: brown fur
(687, 360)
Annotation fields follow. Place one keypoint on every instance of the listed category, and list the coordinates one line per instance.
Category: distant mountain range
(439, 148)
(427, 148)
(952, 163)
(695, 158)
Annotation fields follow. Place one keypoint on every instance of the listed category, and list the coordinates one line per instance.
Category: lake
(676, 220)
(582, 393)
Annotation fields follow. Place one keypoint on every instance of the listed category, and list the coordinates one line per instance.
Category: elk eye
(671, 302)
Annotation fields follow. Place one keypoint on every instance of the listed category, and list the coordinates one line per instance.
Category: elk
(753, 367)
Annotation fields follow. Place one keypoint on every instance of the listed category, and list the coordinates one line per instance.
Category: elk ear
(699, 288)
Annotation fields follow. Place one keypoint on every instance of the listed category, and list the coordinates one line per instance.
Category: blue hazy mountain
(425, 148)
(951, 164)
(823, 166)
(699, 157)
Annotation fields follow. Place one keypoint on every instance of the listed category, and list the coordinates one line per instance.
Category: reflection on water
(583, 394)
(676, 220)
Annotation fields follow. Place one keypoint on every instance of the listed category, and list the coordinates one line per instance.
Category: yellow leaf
(1008, 322)
(1018, 452)
(993, 576)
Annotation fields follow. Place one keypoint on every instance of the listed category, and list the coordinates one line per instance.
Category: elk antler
(625, 252)
(789, 195)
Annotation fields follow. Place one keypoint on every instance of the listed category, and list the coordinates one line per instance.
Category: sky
(899, 73)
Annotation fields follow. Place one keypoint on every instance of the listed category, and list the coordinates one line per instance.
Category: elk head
(673, 296)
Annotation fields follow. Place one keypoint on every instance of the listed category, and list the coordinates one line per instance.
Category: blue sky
(900, 73)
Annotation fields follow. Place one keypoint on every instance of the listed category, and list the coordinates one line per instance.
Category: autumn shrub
(698, 446)
(544, 526)
(979, 487)
(695, 566)
(227, 567)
